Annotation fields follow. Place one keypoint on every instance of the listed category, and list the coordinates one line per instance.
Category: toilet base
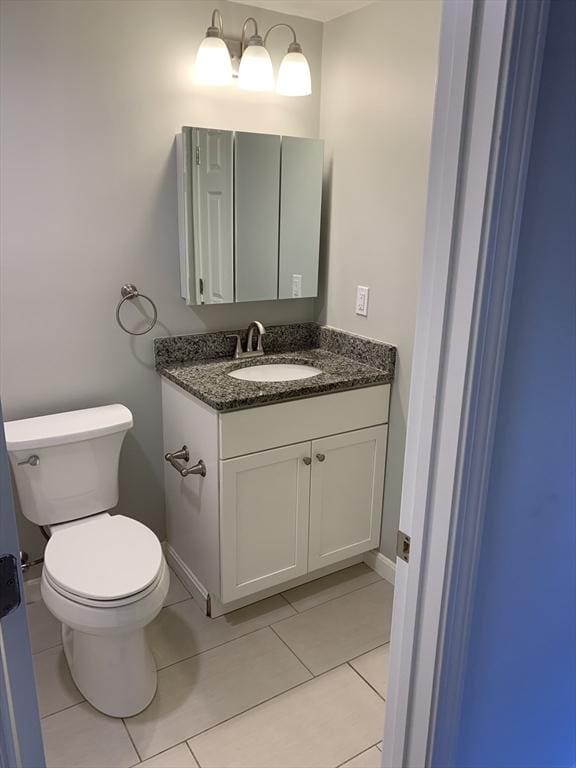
(116, 674)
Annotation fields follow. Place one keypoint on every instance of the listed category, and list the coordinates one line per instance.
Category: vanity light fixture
(214, 64)
(294, 74)
(255, 73)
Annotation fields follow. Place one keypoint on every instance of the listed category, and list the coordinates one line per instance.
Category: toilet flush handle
(33, 461)
(183, 455)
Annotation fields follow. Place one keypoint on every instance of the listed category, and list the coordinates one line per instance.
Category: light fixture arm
(294, 46)
(216, 29)
(243, 43)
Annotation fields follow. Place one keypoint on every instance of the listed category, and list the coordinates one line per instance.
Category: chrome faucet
(239, 353)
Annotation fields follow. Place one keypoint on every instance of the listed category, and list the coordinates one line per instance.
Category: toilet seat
(94, 603)
(103, 561)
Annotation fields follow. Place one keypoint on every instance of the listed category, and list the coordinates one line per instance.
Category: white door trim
(455, 328)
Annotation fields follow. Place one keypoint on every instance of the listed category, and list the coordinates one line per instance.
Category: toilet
(104, 576)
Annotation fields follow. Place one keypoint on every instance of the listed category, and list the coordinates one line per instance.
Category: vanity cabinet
(292, 510)
(292, 489)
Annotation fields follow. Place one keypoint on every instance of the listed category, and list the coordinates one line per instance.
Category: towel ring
(129, 292)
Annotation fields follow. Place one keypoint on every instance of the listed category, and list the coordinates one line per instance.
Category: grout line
(193, 755)
(140, 759)
(256, 706)
(244, 711)
(355, 658)
(358, 755)
(70, 706)
(49, 648)
(292, 651)
(331, 599)
(153, 757)
(213, 647)
(176, 602)
(366, 681)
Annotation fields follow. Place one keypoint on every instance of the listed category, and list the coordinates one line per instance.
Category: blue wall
(520, 694)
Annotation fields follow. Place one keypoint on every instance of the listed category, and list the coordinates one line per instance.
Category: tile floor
(294, 681)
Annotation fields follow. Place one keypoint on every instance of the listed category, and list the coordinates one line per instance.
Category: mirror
(249, 215)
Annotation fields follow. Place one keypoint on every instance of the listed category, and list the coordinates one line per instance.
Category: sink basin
(275, 372)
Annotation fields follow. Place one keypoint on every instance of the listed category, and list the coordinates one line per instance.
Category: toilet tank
(66, 464)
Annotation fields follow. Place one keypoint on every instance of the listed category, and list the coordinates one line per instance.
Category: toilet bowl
(104, 576)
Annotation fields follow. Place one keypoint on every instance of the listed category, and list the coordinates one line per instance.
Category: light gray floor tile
(177, 757)
(319, 724)
(335, 632)
(372, 758)
(183, 630)
(54, 684)
(45, 630)
(177, 591)
(81, 737)
(32, 590)
(207, 689)
(328, 587)
(373, 667)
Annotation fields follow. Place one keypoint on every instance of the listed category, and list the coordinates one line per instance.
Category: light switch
(296, 286)
(362, 294)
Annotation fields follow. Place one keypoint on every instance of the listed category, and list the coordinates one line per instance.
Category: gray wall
(92, 96)
(378, 84)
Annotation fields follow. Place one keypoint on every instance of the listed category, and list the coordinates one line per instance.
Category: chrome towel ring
(129, 292)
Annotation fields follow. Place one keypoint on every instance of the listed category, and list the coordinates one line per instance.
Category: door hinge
(201, 288)
(197, 155)
(9, 585)
(403, 546)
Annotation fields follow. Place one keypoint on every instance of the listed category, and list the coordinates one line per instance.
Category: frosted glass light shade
(294, 76)
(256, 72)
(213, 64)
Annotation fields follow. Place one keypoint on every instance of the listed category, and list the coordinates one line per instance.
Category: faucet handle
(238, 349)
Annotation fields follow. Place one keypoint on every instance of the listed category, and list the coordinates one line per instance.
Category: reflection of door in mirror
(300, 204)
(214, 238)
(205, 201)
(256, 199)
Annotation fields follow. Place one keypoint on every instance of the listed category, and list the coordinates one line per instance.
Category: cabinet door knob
(320, 456)
(307, 460)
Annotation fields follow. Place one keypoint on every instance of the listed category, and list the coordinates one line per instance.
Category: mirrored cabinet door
(213, 214)
(257, 196)
(300, 207)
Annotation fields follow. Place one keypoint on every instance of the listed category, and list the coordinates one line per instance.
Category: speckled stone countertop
(346, 361)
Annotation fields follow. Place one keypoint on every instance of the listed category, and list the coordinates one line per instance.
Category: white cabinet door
(264, 519)
(346, 495)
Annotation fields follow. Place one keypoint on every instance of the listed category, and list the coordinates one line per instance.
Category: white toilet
(104, 576)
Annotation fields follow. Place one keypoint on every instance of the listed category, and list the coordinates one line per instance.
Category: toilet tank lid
(68, 427)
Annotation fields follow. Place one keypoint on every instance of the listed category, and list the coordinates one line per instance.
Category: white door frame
(489, 73)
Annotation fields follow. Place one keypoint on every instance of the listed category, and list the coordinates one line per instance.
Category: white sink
(276, 372)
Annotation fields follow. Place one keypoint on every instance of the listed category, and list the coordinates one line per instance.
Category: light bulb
(256, 73)
(294, 75)
(213, 65)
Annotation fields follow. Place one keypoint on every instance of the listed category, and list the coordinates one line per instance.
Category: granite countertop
(199, 363)
(208, 380)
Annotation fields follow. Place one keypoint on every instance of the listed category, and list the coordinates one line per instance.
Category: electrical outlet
(296, 286)
(362, 294)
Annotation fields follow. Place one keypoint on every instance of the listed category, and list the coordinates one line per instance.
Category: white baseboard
(382, 565)
(189, 579)
(214, 608)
